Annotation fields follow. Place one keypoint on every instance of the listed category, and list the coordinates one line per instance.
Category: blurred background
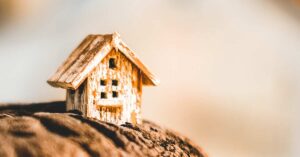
(229, 69)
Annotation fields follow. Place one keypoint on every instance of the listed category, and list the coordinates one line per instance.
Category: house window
(102, 82)
(112, 63)
(114, 82)
(72, 92)
(103, 95)
(115, 94)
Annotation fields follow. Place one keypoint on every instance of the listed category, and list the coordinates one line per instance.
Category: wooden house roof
(88, 55)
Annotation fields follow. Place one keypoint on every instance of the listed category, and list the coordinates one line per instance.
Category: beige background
(229, 69)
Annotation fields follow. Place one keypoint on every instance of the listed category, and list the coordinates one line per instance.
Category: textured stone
(45, 129)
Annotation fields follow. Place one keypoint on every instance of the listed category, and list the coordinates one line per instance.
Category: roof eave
(61, 85)
(120, 45)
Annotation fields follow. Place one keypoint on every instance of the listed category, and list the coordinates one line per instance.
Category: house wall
(77, 99)
(127, 106)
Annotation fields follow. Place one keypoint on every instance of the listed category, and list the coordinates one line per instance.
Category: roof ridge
(72, 72)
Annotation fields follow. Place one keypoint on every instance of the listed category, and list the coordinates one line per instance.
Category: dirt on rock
(45, 129)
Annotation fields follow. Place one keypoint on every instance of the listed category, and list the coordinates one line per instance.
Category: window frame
(114, 82)
(115, 94)
(112, 63)
(103, 95)
(103, 82)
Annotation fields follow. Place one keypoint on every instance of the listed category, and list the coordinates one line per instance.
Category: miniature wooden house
(104, 80)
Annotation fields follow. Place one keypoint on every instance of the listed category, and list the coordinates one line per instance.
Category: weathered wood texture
(27, 130)
(123, 107)
(77, 99)
(88, 55)
(121, 85)
(88, 78)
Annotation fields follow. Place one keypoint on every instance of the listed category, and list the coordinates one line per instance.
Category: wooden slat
(149, 77)
(91, 65)
(72, 58)
(82, 59)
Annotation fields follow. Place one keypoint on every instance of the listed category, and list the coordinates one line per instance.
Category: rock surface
(45, 129)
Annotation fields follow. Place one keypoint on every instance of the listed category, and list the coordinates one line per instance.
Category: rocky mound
(45, 129)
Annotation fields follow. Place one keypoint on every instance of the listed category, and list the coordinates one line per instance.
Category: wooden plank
(90, 66)
(69, 100)
(132, 57)
(86, 54)
(72, 58)
(85, 98)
